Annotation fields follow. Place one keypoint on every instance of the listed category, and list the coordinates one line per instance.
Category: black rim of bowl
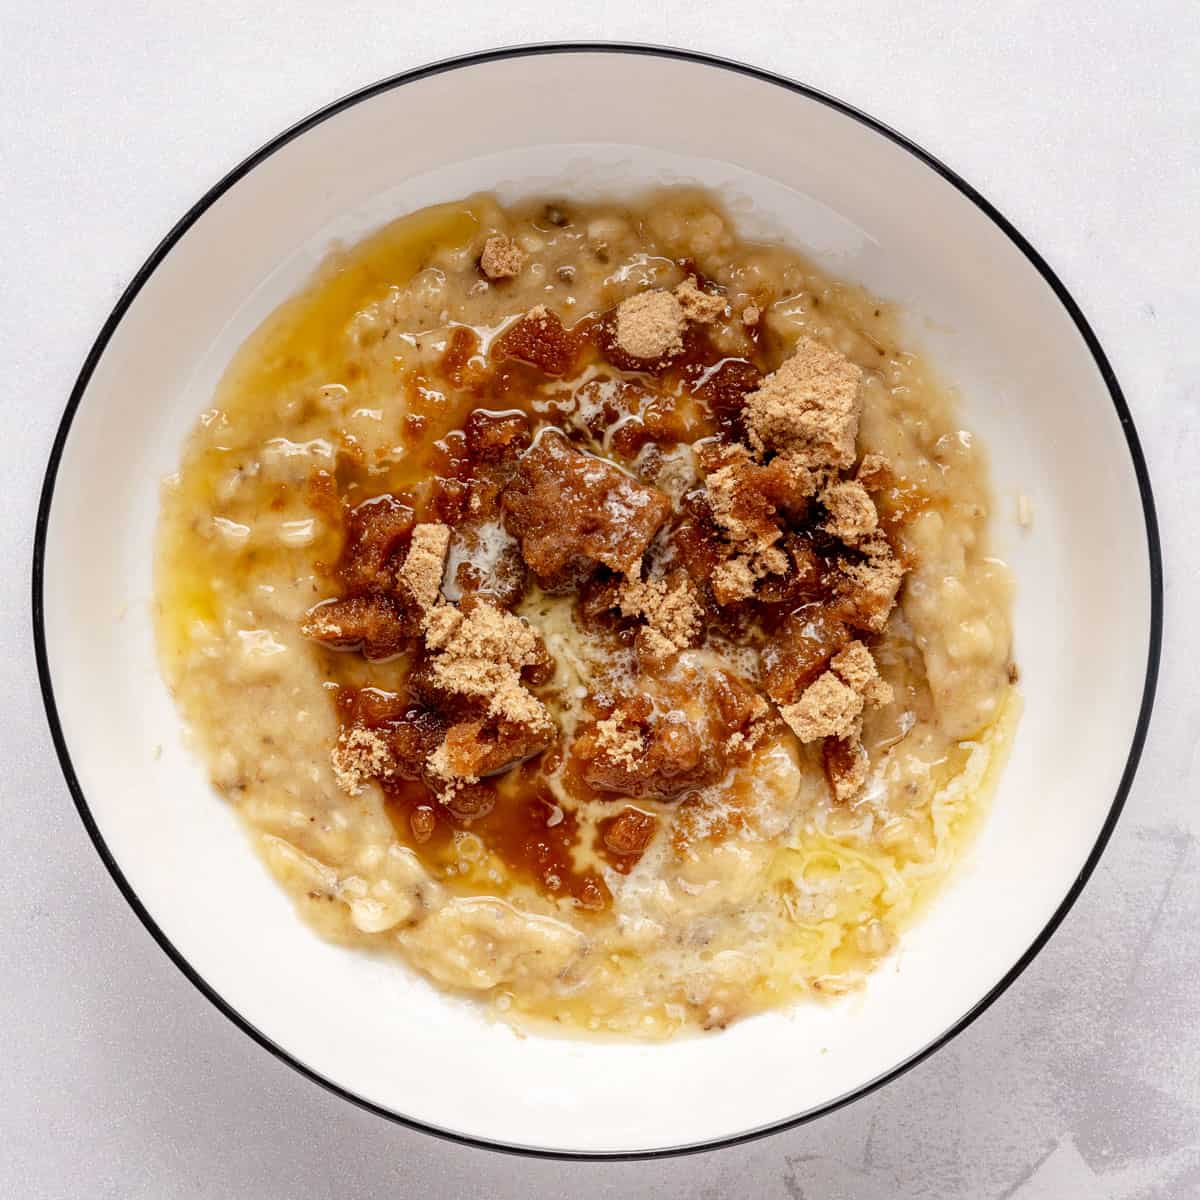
(395, 81)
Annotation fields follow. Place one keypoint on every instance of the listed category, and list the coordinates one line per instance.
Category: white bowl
(869, 205)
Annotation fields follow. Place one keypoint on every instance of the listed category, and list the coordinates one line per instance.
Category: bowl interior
(788, 165)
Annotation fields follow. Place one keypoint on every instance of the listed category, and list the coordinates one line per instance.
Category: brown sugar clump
(856, 667)
(420, 578)
(671, 611)
(802, 649)
(440, 625)
(737, 578)
(376, 625)
(502, 258)
(699, 306)
(747, 499)
(539, 339)
(744, 512)
(734, 579)
(650, 325)
(478, 661)
(360, 754)
(482, 659)
(412, 738)
(751, 315)
(636, 752)
(749, 503)
(473, 749)
(867, 587)
(831, 707)
(809, 406)
(852, 515)
(374, 530)
(622, 744)
(874, 472)
(488, 569)
(827, 708)
(629, 832)
(571, 510)
(496, 437)
(845, 767)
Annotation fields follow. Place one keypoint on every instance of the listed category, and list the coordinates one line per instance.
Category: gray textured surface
(1081, 122)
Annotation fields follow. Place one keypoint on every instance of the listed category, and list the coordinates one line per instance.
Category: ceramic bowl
(870, 206)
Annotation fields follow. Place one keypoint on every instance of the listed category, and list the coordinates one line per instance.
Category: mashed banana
(588, 882)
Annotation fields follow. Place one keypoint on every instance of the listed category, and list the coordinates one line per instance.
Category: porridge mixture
(594, 609)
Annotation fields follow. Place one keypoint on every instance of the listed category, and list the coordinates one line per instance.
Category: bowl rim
(441, 66)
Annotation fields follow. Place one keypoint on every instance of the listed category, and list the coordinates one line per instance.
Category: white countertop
(1081, 122)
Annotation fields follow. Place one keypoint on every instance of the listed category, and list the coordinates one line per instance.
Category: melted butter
(308, 333)
(303, 344)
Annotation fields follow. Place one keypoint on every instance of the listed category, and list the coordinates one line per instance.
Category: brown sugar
(539, 339)
(845, 767)
(502, 258)
(478, 659)
(748, 500)
(360, 754)
(831, 707)
(737, 577)
(670, 608)
(627, 835)
(800, 650)
(496, 437)
(699, 306)
(473, 749)
(766, 550)
(742, 511)
(489, 569)
(874, 472)
(827, 708)
(621, 743)
(374, 531)
(852, 515)
(420, 578)
(856, 667)
(867, 588)
(809, 406)
(440, 625)
(482, 658)
(749, 504)
(649, 756)
(377, 625)
(650, 325)
(571, 510)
